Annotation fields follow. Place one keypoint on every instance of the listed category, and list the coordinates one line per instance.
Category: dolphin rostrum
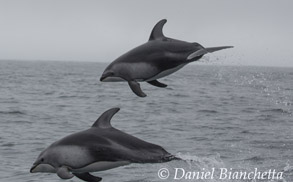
(157, 58)
(98, 148)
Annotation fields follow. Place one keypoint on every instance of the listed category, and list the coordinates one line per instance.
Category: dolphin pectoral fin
(157, 83)
(135, 87)
(213, 49)
(64, 173)
(87, 177)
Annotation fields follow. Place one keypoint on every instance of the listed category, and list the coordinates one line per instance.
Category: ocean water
(215, 117)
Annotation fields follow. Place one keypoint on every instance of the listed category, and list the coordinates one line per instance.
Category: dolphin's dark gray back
(106, 143)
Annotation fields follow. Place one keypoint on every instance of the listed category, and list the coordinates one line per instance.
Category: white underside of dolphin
(166, 72)
(159, 57)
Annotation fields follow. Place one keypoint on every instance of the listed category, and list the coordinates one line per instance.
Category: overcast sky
(102, 30)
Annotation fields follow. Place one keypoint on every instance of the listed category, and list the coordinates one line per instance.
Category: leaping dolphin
(157, 58)
(99, 148)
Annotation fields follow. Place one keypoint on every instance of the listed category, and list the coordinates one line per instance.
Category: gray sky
(102, 30)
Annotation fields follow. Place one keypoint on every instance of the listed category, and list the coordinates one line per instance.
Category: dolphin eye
(42, 159)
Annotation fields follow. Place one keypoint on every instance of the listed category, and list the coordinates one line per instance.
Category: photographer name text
(220, 173)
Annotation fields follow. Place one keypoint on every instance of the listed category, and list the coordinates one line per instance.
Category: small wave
(21, 122)
(66, 96)
(245, 131)
(139, 180)
(249, 110)
(11, 112)
(49, 93)
(255, 159)
(208, 111)
(277, 110)
(181, 95)
(200, 138)
(8, 145)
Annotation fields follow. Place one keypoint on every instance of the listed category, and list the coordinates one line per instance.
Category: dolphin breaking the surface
(98, 148)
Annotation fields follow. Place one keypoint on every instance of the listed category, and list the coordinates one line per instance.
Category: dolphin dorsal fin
(104, 120)
(157, 31)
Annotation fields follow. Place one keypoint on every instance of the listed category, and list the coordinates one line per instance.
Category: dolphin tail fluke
(87, 177)
(135, 87)
(213, 49)
(170, 158)
(204, 51)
